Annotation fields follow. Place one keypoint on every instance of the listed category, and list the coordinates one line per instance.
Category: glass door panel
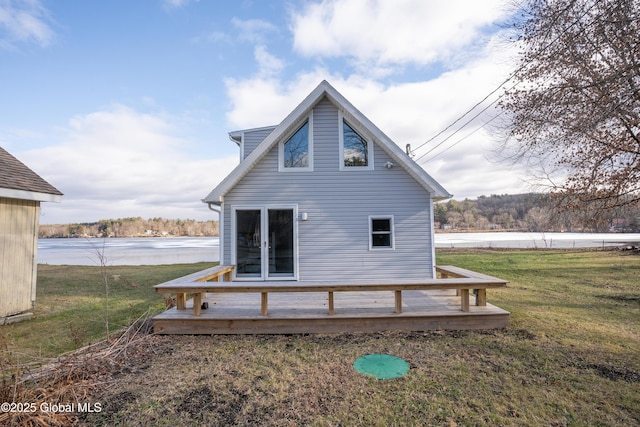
(281, 243)
(249, 243)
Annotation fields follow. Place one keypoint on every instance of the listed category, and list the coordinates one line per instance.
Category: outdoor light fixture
(389, 165)
(304, 216)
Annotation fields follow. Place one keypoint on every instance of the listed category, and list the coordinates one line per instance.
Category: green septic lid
(381, 366)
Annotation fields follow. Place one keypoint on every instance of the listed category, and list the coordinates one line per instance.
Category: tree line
(519, 212)
(132, 227)
(531, 212)
(571, 109)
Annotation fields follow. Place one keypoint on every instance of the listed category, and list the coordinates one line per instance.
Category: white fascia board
(299, 113)
(436, 190)
(11, 193)
(236, 135)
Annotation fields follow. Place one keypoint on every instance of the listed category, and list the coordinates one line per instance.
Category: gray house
(326, 204)
(325, 195)
(21, 191)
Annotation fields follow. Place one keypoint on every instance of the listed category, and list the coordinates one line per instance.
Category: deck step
(309, 313)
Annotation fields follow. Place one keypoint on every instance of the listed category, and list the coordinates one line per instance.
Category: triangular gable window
(296, 153)
(355, 150)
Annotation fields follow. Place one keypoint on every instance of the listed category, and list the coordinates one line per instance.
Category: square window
(381, 240)
(380, 225)
(381, 232)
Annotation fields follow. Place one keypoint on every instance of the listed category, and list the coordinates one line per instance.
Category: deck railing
(212, 274)
(449, 277)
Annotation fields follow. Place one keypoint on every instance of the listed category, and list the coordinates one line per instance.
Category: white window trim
(392, 231)
(341, 150)
(281, 167)
(264, 248)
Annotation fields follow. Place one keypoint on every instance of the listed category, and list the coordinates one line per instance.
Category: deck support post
(181, 301)
(398, 301)
(464, 297)
(481, 297)
(331, 306)
(263, 303)
(197, 304)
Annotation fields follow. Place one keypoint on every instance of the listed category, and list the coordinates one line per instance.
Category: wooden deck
(240, 313)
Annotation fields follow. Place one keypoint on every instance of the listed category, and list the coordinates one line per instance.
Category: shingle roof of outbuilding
(15, 175)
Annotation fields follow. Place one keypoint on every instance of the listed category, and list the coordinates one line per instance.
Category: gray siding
(334, 241)
(251, 139)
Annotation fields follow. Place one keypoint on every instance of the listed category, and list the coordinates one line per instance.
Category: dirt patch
(623, 298)
(616, 374)
(200, 400)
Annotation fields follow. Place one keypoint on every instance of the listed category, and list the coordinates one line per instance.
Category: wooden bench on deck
(200, 280)
(450, 278)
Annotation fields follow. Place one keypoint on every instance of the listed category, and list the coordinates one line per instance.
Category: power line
(468, 111)
(510, 77)
(462, 139)
(462, 127)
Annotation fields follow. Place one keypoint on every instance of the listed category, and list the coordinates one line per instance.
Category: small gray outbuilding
(21, 192)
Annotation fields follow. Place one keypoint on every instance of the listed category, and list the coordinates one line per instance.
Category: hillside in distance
(519, 212)
(132, 227)
(530, 212)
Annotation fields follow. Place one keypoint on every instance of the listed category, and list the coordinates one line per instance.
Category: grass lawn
(71, 310)
(570, 357)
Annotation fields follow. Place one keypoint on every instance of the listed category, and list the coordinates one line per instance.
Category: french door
(264, 243)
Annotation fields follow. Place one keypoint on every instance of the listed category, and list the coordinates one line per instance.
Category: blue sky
(125, 106)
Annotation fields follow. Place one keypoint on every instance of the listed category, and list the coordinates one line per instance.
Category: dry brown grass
(569, 358)
(506, 377)
(42, 393)
(509, 377)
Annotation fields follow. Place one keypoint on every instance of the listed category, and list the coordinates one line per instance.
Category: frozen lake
(187, 250)
(517, 240)
(128, 251)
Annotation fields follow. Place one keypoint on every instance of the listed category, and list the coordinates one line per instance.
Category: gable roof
(17, 181)
(351, 113)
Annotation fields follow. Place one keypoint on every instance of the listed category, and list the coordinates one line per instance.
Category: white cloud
(213, 37)
(268, 64)
(282, 97)
(24, 21)
(253, 30)
(119, 162)
(175, 4)
(391, 32)
(409, 112)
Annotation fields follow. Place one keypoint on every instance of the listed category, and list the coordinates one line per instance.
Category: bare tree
(102, 259)
(575, 112)
(454, 219)
(538, 219)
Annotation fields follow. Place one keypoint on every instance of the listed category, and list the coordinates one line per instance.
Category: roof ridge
(324, 89)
